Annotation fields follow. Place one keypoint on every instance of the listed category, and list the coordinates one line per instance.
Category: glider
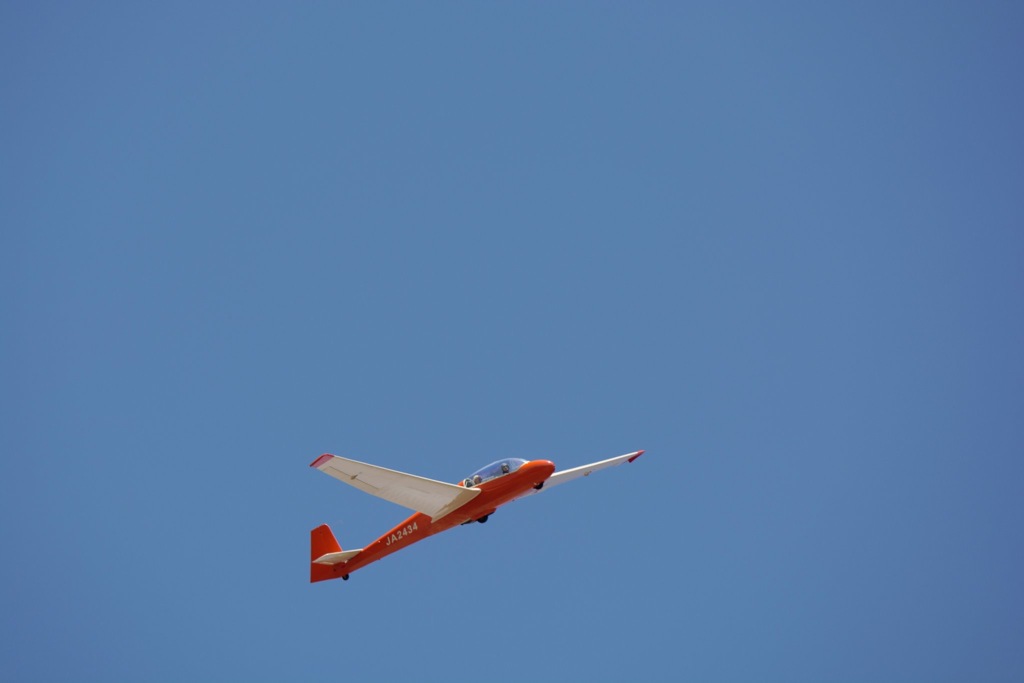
(438, 506)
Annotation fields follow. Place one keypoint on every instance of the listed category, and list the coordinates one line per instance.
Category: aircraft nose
(540, 469)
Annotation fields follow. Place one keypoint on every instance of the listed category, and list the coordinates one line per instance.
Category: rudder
(321, 542)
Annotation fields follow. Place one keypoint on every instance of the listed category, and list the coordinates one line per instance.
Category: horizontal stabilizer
(337, 558)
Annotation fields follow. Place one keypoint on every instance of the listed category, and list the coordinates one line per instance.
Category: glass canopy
(493, 471)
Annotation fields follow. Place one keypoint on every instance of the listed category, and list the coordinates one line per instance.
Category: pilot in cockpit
(494, 470)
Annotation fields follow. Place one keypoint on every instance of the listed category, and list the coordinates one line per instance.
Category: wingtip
(635, 456)
(321, 460)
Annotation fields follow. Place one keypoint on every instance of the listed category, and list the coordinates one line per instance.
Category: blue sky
(779, 247)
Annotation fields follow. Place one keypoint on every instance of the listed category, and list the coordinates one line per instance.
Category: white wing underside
(585, 470)
(433, 498)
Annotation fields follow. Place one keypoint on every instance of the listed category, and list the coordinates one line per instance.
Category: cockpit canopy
(493, 471)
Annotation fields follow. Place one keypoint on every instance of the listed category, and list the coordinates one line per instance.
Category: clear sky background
(778, 245)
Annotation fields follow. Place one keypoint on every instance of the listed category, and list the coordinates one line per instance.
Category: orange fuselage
(493, 494)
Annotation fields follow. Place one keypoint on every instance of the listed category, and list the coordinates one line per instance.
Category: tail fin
(321, 542)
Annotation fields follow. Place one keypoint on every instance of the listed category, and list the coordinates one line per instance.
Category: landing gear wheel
(483, 520)
(539, 486)
(344, 577)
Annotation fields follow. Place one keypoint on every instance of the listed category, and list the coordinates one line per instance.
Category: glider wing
(433, 498)
(585, 470)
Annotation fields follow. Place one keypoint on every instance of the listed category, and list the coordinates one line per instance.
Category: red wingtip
(321, 460)
(638, 454)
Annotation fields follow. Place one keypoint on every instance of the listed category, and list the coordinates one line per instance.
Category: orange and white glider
(439, 506)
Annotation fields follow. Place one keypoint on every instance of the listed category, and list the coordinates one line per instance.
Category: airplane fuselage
(493, 494)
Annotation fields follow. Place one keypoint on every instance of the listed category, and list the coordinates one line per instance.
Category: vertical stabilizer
(321, 542)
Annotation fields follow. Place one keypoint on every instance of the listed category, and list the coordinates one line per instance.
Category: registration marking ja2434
(401, 533)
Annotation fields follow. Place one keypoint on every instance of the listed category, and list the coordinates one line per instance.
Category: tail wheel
(483, 520)
(539, 486)
(344, 577)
